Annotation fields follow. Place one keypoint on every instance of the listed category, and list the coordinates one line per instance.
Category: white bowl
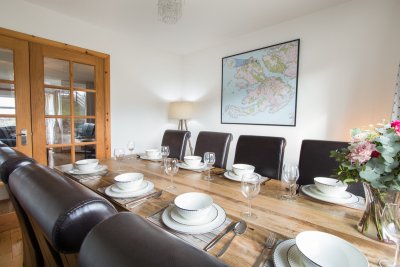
(86, 164)
(192, 160)
(328, 250)
(330, 186)
(240, 169)
(129, 181)
(193, 205)
(153, 153)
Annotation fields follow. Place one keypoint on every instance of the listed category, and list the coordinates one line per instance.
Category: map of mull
(259, 87)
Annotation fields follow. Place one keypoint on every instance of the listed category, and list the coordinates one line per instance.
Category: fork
(269, 244)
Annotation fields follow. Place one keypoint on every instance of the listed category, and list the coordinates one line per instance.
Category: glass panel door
(15, 128)
(70, 104)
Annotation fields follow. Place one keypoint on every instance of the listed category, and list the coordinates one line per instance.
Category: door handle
(23, 133)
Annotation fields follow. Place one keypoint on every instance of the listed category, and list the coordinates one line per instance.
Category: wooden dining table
(285, 218)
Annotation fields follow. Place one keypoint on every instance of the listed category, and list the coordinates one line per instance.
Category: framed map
(260, 86)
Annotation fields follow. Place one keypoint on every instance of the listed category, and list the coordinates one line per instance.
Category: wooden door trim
(44, 41)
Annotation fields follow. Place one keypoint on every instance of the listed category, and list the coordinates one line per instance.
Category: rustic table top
(286, 218)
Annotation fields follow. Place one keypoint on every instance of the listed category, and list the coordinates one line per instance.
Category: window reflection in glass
(6, 64)
(83, 76)
(7, 99)
(57, 102)
(56, 72)
(58, 131)
(7, 131)
(84, 103)
(85, 152)
(85, 130)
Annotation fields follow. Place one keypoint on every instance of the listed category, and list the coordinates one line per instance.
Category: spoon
(240, 228)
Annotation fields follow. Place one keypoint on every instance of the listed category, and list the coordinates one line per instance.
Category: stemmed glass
(171, 169)
(164, 154)
(209, 160)
(250, 189)
(119, 154)
(131, 147)
(391, 225)
(290, 176)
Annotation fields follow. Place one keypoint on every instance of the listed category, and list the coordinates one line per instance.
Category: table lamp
(182, 111)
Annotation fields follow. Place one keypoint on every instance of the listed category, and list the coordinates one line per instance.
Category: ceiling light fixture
(170, 11)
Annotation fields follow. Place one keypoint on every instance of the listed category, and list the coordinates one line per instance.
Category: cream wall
(143, 79)
(349, 58)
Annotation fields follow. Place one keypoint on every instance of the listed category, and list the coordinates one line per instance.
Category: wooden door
(68, 105)
(15, 113)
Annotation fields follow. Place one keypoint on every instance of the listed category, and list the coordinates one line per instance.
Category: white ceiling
(204, 23)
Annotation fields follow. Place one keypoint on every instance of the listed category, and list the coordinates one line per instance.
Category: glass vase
(370, 223)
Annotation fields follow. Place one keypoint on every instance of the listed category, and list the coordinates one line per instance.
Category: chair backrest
(214, 142)
(315, 161)
(10, 160)
(60, 210)
(176, 140)
(265, 153)
(129, 240)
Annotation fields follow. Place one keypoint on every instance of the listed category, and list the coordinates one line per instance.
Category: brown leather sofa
(127, 239)
(60, 210)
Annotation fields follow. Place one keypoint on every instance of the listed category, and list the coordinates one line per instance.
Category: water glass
(391, 225)
(171, 168)
(290, 176)
(119, 154)
(131, 147)
(209, 160)
(250, 188)
(164, 154)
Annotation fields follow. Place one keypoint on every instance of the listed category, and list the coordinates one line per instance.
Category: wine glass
(131, 147)
(250, 188)
(171, 169)
(290, 176)
(391, 225)
(209, 160)
(119, 154)
(164, 154)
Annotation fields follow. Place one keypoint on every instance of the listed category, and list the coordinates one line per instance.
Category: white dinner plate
(230, 175)
(329, 251)
(212, 215)
(193, 229)
(312, 191)
(98, 168)
(147, 158)
(116, 189)
(110, 191)
(183, 165)
(280, 254)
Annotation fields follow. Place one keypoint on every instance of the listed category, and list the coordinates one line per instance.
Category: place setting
(238, 170)
(192, 163)
(152, 154)
(88, 167)
(313, 249)
(193, 217)
(332, 191)
(129, 187)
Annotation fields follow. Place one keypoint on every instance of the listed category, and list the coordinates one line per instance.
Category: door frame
(31, 39)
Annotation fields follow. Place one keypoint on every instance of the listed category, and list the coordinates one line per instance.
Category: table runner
(199, 241)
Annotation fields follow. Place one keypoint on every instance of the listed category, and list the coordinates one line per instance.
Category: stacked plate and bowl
(192, 163)
(193, 213)
(130, 184)
(238, 170)
(87, 166)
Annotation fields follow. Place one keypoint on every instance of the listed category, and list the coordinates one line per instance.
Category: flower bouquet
(373, 157)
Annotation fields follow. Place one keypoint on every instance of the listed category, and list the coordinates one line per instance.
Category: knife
(220, 236)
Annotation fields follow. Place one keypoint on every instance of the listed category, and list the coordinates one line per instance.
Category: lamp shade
(181, 110)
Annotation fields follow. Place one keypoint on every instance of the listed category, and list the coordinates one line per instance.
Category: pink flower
(396, 126)
(361, 152)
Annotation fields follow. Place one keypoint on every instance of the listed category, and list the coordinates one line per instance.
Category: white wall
(349, 58)
(143, 79)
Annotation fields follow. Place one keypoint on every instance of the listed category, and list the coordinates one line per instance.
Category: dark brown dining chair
(176, 140)
(60, 210)
(127, 240)
(216, 142)
(10, 160)
(265, 153)
(315, 161)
